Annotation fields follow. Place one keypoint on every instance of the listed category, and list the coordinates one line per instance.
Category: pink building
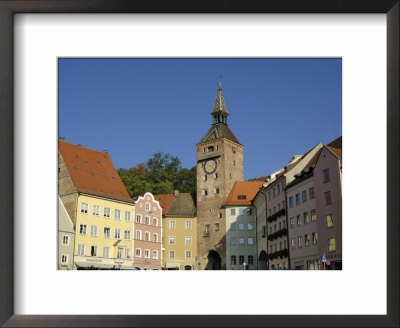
(147, 233)
(328, 196)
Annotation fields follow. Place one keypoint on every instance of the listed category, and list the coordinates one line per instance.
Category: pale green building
(66, 239)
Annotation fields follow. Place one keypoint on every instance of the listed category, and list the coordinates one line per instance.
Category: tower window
(210, 148)
(216, 190)
(204, 192)
(204, 178)
(215, 175)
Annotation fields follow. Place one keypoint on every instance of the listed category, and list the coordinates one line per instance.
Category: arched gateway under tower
(219, 166)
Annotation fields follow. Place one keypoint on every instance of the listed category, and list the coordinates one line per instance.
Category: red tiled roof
(337, 143)
(93, 172)
(247, 188)
(337, 152)
(165, 201)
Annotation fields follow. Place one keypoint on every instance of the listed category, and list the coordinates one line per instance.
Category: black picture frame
(7, 10)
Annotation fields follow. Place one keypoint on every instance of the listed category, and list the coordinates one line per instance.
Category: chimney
(176, 192)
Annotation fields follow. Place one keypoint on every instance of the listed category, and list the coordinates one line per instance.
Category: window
(171, 240)
(217, 227)
(204, 178)
(215, 175)
(233, 259)
(188, 224)
(117, 214)
(147, 220)
(274, 228)
(216, 190)
(188, 254)
(269, 195)
(328, 198)
(233, 211)
(273, 193)
(233, 241)
(315, 238)
(138, 235)
(241, 211)
(331, 244)
(127, 234)
(297, 199)
(64, 259)
(241, 241)
(155, 222)
(270, 230)
(326, 175)
(279, 207)
(285, 244)
(172, 224)
(204, 192)
(306, 218)
(307, 239)
(210, 148)
(219, 215)
(278, 187)
(284, 266)
(298, 220)
(127, 253)
(96, 210)
(84, 208)
(329, 221)
(283, 185)
(274, 209)
(270, 212)
(248, 211)
(291, 220)
(291, 201)
(270, 249)
(65, 240)
(304, 196)
(82, 229)
(138, 252)
(249, 226)
(300, 241)
(207, 229)
(93, 231)
(250, 241)
(311, 192)
(171, 254)
(106, 252)
(188, 240)
(107, 212)
(147, 236)
(117, 234)
(120, 251)
(241, 259)
(138, 218)
(93, 251)
(155, 255)
(147, 207)
(146, 253)
(279, 266)
(292, 243)
(280, 226)
(241, 197)
(313, 265)
(250, 260)
(264, 231)
(155, 237)
(107, 232)
(241, 226)
(127, 216)
(313, 216)
(283, 204)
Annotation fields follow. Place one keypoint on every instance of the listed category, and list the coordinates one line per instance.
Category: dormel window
(241, 197)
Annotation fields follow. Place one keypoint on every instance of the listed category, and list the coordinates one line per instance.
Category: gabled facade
(219, 166)
(66, 239)
(147, 234)
(241, 246)
(99, 207)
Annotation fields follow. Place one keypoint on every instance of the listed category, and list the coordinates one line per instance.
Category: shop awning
(169, 265)
(94, 264)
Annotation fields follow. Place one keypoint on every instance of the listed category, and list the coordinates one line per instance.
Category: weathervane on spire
(219, 82)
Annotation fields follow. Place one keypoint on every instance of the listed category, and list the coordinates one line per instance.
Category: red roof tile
(248, 189)
(337, 143)
(337, 152)
(93, 172)
(165, 201)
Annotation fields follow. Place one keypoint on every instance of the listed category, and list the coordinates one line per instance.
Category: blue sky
(135, 107)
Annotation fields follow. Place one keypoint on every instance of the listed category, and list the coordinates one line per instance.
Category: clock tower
(219, 166)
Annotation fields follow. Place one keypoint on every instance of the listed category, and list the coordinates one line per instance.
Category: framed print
(37, 34)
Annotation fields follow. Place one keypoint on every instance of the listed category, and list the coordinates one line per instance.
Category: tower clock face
(210, 166)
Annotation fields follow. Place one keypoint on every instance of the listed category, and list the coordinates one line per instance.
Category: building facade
(241, 233)
(66, 239)
(260, 208)
(219, 166)
(147, 239)
(328, 193)
(179, 231)
(99, 207)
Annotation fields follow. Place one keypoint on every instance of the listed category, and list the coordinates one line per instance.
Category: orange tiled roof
(337, 152)
(247, 188)
(337, 143)
(165, 201)
(93, 172)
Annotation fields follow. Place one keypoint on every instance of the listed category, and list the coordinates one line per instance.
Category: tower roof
(219, 130)
(219, 104)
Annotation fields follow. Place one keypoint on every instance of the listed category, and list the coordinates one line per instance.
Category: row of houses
(291, 219)
(101, 227)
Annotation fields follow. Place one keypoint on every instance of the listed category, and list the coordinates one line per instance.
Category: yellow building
(179, 231)
(99, 207)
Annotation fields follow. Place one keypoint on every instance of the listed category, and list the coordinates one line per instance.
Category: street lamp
(244, 265)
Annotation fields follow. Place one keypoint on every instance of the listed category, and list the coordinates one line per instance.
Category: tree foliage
(161, 174)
